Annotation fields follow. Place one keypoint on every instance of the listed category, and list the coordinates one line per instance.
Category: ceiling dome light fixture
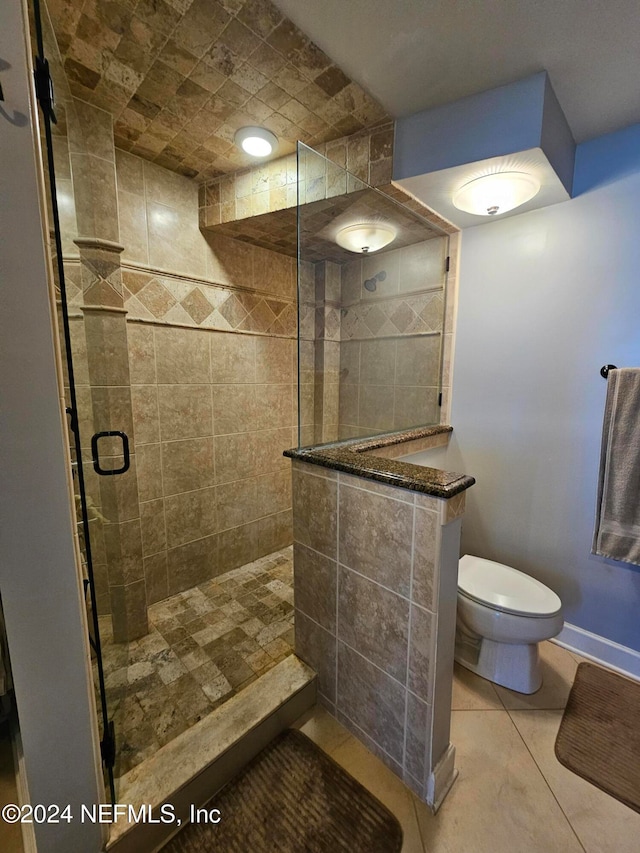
(256, 141)
(366, 238)
(497, 193)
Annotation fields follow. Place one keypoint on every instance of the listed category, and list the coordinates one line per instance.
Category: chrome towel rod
(604, 370)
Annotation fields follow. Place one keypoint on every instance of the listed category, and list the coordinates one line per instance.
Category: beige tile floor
(512, 795)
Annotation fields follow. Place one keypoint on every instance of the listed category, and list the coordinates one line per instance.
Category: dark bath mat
(599, 736)
(293, 798)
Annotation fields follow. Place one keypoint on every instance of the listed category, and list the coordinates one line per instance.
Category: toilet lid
(503, 588)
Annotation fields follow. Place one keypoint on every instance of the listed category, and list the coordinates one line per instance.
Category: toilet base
(512, 665)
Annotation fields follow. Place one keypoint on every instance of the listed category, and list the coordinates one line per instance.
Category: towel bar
(604, 371)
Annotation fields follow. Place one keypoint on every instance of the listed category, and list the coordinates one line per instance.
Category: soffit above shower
(321, 220)
(181, 76)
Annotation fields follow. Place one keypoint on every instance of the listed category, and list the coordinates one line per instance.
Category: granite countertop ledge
(355, 456)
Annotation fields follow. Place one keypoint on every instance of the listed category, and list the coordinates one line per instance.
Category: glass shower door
(91, 330)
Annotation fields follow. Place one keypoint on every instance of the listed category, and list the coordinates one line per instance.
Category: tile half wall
(375, 579)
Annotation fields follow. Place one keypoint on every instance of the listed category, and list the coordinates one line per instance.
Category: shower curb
(190, 769)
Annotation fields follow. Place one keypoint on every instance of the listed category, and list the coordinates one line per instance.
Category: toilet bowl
(502, 616)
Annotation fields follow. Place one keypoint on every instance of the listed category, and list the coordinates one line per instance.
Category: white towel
(617, 528)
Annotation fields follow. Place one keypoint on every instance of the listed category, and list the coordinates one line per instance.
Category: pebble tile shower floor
(204, 645)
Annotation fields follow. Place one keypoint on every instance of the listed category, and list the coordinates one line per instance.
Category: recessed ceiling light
(366, 237)
(256, 141)
(497, 193)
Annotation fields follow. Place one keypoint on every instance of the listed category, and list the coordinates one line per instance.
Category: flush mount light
(496, 193)
(256, 141)
(365, 238)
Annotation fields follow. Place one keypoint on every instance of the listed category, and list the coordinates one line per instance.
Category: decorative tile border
(408, 315)
(156, 296)
(72, 280)
(186, 302)
(383, 318)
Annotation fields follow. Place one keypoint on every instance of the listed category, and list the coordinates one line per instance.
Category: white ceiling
(415, 54)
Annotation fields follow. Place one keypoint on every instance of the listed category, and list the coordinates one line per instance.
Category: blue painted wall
(547, 298)
(607, 159)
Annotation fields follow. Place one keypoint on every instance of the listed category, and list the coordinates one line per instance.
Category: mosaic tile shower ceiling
(181, 76)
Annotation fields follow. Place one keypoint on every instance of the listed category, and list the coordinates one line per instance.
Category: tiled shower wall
(210, 333)
(214, 403)
(212, 413)
(371, 360)
(391, 339)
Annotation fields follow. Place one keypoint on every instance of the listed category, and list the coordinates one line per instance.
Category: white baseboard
(612, 655)
(441, 778)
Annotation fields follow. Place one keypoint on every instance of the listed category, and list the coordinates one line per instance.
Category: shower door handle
(95, 455)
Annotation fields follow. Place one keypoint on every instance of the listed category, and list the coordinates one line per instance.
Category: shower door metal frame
(44, 95)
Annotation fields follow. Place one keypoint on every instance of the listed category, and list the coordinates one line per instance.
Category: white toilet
(502, 616)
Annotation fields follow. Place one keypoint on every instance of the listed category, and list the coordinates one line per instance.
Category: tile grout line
(409, 501)
(360, 654)
(406, 692)
(540, 771)
(164, 508)
(146, 215)
(359, 385)
(381, 748)
(499, 697)
(395, 382)
(367, 578)
(213, 450)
